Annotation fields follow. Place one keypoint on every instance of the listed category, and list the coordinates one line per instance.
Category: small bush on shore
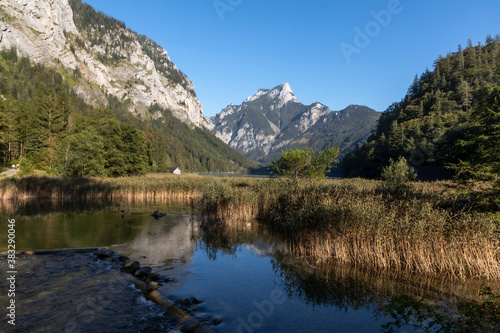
(398, 176)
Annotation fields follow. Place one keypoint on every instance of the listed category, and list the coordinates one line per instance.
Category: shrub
(304, 163)
(398, 175)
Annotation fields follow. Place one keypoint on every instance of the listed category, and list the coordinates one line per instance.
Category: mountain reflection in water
(244, 273)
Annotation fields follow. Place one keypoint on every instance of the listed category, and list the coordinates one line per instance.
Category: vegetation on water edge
(432, 229)
(150, 187)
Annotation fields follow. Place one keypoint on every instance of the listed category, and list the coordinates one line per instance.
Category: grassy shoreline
(151, 187)
(354, 222)
(351, 221)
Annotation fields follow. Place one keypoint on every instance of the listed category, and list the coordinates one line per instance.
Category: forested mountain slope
(45, 125)
(448, 118)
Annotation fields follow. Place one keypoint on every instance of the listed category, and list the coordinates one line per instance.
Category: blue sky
(334, 52)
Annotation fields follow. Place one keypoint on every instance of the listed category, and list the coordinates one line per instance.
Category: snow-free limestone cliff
(107, 57)
(274, 119)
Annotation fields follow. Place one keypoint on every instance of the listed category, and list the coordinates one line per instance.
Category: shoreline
(434, 229)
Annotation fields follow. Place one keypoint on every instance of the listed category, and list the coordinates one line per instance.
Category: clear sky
(336, 52)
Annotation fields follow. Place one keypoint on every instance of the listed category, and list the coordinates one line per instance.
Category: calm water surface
(241, 276)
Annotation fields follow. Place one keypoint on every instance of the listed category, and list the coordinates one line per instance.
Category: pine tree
(482, 139)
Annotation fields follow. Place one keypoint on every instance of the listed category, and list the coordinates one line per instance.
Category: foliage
(352, 222)
(481, 139)
(304, 163)
(41, 119)
(398, 176)
(49, 128)
(440, 107)
(292, 163)
(406, 311)
(85, 154)
(171, 142)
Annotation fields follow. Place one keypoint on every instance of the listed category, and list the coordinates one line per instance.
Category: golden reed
(351, 221)
(354, 222)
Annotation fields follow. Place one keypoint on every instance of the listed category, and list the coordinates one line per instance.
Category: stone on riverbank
(104, 253)
(131, 267)
(143, 273)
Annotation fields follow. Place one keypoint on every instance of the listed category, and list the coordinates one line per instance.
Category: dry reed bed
(355, 223)
(89, 189)
(350, 221)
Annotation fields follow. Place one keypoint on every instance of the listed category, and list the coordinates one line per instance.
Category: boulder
(123, 258)
(131, 267)
(154, 276)
(144, 272)
(103, 252)
(152, 286)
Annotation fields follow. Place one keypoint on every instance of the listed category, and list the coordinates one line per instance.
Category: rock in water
(104, 253)
(143, 273)
(131, 267)
(158, 214)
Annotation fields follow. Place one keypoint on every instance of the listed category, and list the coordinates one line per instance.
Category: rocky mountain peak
(280, 95)
(274, 119)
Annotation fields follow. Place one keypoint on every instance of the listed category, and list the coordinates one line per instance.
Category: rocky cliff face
(272, 120)
(112, 61)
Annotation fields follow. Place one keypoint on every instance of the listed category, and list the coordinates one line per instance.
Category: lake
(242, 275)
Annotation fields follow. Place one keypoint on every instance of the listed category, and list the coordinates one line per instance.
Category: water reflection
(163, 240)
(74, 225)
(244, 272)
(344, 288)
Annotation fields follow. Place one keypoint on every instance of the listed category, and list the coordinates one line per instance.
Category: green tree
(84, 154)
(304, 162)
(321, 163)
(398, 175)
(134, 151)
(48, 125)
(482, 139)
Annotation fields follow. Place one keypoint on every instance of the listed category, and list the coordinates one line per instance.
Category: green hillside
(448, 118)
(43, 125)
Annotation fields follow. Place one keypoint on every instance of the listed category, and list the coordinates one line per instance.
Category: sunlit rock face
(45, 31)
(274, 119)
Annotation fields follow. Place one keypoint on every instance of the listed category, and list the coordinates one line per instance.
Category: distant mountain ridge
(274, 119)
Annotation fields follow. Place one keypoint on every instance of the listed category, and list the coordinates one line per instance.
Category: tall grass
(350, 221)
(354, 222)
(152, 187)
